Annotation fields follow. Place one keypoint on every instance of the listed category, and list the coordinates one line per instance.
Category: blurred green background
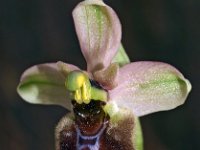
(38, 31)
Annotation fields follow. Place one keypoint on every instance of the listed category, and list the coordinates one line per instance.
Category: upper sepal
(44, 84)
(147, 87)
(99, 33)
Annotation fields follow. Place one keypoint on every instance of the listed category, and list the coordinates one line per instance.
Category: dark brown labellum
(89, 128)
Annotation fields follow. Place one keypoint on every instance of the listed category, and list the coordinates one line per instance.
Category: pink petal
(108, 77)
(147, 87)
(44, 84)
(99, 33)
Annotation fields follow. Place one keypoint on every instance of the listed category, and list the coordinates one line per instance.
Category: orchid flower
(128, 90)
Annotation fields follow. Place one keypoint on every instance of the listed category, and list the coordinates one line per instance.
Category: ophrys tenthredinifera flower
(107, 98)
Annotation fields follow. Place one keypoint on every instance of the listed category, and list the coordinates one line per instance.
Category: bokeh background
(38, 31)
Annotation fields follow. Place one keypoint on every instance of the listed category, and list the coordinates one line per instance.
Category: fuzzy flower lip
(143, 87)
